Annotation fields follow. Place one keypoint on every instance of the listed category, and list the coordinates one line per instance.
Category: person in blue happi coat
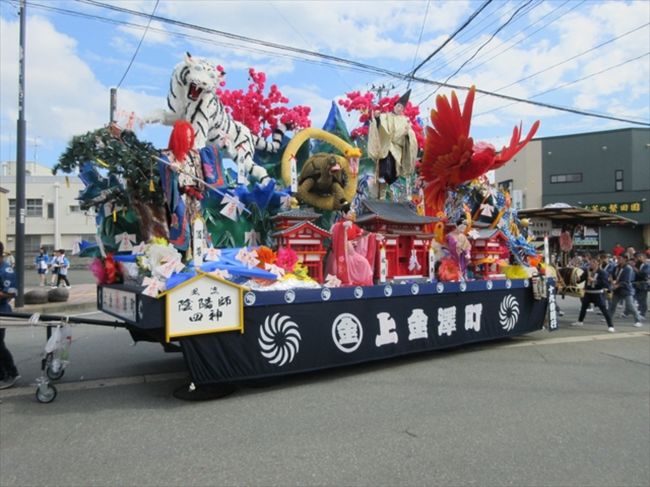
(8, 372)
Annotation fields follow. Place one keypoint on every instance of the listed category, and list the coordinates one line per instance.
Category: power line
(139, 44)
(201, 39)
(501, 27)
(528, 36)
(360, 66)
(307, 43)
(424, 21)
(609, 41)
(564, 85)
(448, 40)
(458, 51)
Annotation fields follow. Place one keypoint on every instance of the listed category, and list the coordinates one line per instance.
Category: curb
(58, 308)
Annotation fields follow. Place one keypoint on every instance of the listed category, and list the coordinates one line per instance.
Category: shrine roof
(390, 212)
(486, 233)
(297, 213)
(297, 226)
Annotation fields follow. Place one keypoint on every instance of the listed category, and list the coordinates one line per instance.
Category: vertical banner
(198, 241)
(432, 262)
(294, 175)
(383, 264)
(552, 308)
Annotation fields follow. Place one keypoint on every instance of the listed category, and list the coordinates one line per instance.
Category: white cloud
(63, 95)
(357, 29)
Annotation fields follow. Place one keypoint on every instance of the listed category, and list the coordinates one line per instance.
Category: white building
(53, 217)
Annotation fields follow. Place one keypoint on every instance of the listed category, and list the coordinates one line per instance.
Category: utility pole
(380, 89)
(19, 237)
(113, 106)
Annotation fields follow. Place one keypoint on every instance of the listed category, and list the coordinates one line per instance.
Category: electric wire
(574, 5)
(564, 85)
(137, 49)
(459, 51)
(449, 39)
(608, 41)
(415, 55)
(480, 25)
(341, 62)
(199, 38)
(277, 10)
(504, 25)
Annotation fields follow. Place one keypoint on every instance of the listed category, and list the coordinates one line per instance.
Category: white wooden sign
(540, 227)
(119, 303)
(204, 304)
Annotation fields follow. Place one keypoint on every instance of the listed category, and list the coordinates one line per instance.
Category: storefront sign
(203, 304)
(540, 227)
(629, 207)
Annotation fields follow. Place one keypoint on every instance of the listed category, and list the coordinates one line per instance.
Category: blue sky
(73, 61)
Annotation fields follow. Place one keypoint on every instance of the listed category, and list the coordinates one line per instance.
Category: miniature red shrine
(405, 239)
(489, 246)
(295, 229)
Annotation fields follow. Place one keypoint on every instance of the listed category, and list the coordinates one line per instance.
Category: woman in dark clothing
(597, 284)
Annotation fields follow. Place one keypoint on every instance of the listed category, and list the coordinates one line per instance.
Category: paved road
(75, 276)
(568, 408)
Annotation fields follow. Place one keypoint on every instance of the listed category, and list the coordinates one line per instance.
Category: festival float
(259, 255)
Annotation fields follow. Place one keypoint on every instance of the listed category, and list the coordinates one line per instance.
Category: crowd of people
(612, 279)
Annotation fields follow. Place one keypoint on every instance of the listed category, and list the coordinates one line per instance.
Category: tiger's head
(198, 76)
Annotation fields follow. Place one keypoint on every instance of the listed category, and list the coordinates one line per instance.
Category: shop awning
(572, 215)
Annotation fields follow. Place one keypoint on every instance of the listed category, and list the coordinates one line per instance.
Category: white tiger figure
(192, 97)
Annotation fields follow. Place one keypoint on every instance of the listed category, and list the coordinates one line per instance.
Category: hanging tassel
(114, 215)
(152, 188)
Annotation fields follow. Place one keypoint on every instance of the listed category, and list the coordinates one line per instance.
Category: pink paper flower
(287, 259)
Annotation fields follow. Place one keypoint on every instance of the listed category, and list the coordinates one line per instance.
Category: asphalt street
(75, 276)
(570, 407)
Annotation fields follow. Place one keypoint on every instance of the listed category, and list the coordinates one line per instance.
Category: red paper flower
(365, 105)
(262, 113)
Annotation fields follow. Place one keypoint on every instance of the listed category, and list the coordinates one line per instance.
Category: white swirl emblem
(509, 312)
(279, 339)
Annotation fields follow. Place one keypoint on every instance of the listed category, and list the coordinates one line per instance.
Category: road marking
(85, 385)
(577, 339)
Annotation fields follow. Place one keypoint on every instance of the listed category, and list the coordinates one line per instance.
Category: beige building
(523, 176)
(3, 211)
(53, 217)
